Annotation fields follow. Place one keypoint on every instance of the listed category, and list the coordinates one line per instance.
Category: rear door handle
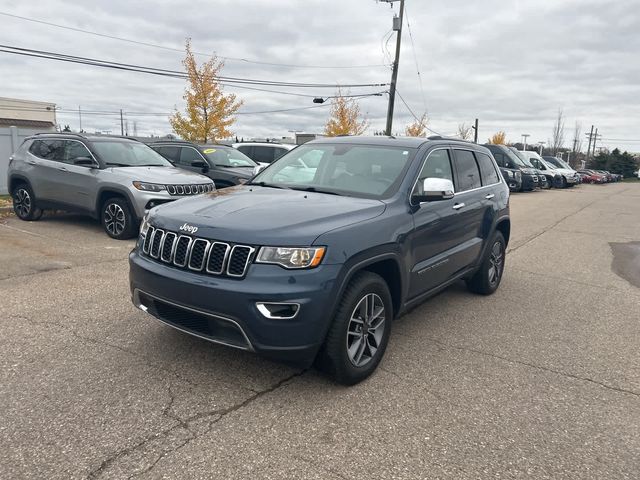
(489, 196)
(32, 162)
(64, 169)
(458, 206)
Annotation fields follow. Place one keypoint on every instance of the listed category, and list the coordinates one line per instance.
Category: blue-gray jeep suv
(314, 258)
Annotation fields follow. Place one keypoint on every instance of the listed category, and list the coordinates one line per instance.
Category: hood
(166, 175)
(265, 216)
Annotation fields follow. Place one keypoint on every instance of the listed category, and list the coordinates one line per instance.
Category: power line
(415, 58)
(414, 115)
(170, 73)
(174, 49)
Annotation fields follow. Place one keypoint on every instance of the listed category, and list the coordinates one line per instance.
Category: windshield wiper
(265, 184)
(151, 165)
(118, 164)
(315, 190)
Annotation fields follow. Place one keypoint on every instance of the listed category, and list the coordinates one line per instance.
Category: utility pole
(595, 138)
(589, 147)
(80, 117)
(121, 124)
(397, 26)
(475, 131)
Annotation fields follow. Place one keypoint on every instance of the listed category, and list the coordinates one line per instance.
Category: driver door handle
(489, 196)
(32, 162)
(458, 206)
(64, 169)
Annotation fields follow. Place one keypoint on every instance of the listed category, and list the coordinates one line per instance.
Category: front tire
(24, 203)
(117, 219)
(360, 331)
(487, 279)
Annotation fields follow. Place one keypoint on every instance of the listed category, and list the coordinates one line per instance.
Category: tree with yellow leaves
(498, 138)
(209, 112)
(417, 128)
(344, 117)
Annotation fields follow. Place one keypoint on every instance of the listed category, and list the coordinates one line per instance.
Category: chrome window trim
(173, 247)
(246, 264)
(205, 255)
(424, 162)
(159, 246)
(224, 259)
(187, 254)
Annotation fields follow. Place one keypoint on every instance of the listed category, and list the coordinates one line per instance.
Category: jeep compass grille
(198, 254)
(190, 189)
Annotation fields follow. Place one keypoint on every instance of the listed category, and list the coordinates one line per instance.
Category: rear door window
(48, 149)
(170, 153)
(488, 173)
(467, 170)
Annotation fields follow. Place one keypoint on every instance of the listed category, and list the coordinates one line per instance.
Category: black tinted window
(48, 149)
(189, 155)
(170, 153)
(74, 150)
(467, 169)
(500, 158)
(487, 170)
(263, 154)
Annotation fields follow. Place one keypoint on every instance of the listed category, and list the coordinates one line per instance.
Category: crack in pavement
(533, 365)
(186, 423)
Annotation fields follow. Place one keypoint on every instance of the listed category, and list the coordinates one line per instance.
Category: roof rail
(59, 133)
(440, 137)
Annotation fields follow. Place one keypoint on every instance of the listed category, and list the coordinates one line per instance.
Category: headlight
(149, 187)
(292, 257)
(518, 176)
(509, 174)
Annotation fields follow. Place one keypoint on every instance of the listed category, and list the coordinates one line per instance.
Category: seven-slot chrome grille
(197, 254)
(190, 189)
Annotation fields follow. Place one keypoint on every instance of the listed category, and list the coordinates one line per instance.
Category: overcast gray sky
(512, 64)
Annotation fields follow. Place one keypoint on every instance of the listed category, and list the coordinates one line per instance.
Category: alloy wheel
(365, 329)
(22, 203)
(496, 261)
(114, 219)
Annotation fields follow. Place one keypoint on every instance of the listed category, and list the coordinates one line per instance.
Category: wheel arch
(504, 227)
(15, 180)
(106, 193)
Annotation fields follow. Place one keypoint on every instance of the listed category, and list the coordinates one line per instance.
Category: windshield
(128, 154)
(354, 170)
(564, 164)
(226, 156)
(554, 162)
(519, 158)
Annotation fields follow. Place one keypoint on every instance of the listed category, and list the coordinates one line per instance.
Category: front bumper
(224, 310)
(529, 182)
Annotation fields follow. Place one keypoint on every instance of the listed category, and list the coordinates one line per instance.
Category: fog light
(278, 311)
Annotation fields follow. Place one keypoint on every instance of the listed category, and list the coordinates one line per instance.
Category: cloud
(510, 64)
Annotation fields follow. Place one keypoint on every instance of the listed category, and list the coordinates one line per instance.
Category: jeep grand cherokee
(315, 267)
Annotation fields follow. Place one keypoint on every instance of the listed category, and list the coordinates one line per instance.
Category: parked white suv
(568, 176)
(263, 153)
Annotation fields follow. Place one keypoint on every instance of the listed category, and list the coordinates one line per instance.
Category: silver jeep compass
(113, 179)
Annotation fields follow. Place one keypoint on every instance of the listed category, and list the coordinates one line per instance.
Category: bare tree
(557, 135)
(465, 132)
(577, 137)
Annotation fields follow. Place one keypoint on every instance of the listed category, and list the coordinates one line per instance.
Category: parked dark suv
(302, 267)
(507, 160)
(225, 165)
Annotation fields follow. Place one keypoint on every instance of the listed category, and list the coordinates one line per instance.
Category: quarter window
(263, 154)
(467, 170)
(487, 170)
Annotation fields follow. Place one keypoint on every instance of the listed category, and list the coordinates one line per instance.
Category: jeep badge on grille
(189, 228)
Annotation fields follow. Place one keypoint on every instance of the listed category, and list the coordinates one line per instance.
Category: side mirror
(434, 189)
(85, 162)
(200, 164)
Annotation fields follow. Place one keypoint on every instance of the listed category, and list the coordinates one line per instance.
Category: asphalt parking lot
(540, 380)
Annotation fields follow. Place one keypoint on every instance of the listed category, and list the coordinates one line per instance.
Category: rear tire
(24, 203)
(487, 279)
(358, 336)
(117, 220)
